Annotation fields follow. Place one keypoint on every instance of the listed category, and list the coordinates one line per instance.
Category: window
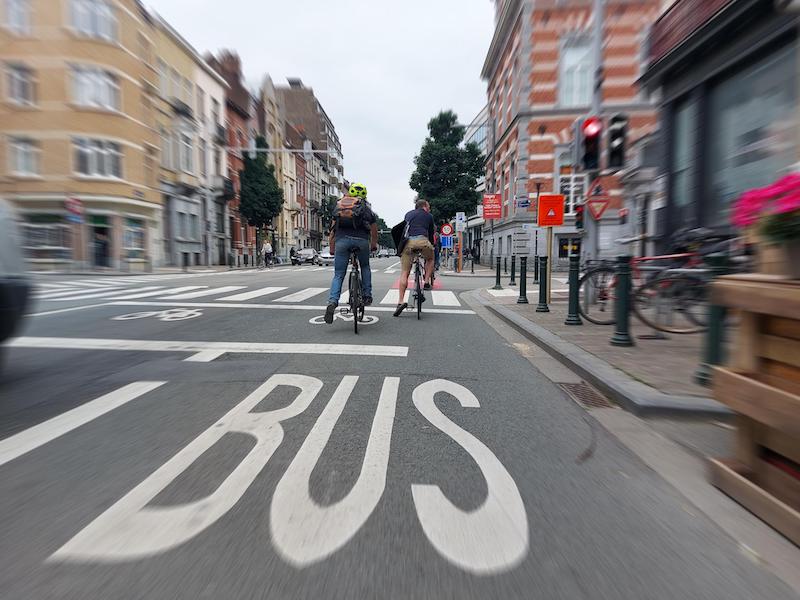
(97, 158)
(575, 73)
(175, 89)
(21, 85)
(166, 149)
(186, 161)
(187, 92)
(182, 225)
(201, 105)
(18, 16)
(46, 236)
(203, 158)
(94, 18)
(215, 111)
(95, 88)
(163, 78)
(24, 156)
(683, 152)
(133, 237)
(571, 185)
(195, 227)
(217, 160)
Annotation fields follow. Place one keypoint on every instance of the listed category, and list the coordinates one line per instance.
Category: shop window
(683, 160)
(569, 247)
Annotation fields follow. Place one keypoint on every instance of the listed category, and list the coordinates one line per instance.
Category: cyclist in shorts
(419, 225)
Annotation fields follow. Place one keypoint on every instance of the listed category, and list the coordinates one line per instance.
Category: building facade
(78, 155)
(727, 75)
(292, 142)
(540, 77)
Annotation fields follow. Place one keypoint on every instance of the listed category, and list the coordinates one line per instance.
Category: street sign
(75, 209)
(551, 210)
(447, 241)
(523, 202)
(447, 229)
(492, 206)
(597, 206)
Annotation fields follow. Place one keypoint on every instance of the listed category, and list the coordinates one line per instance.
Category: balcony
(314, 205)
(220, 135)
(680, 22)
(180, 107)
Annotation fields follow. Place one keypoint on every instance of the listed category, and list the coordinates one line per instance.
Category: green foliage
(384, 234)
(782, 228)
(261, 198)
(447, 172)
(326, 211)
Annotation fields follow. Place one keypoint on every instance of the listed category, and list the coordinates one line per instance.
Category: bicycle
(419, 282)
(355, 302)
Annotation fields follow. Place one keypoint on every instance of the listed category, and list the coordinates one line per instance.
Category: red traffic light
(592, 127)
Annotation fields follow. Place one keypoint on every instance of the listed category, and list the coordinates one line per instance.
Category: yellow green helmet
(358, 190)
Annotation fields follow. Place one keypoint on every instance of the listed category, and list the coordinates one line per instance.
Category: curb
(632, 395)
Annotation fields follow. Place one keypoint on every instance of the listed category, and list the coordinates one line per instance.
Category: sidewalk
(156, 271)
(654, 377)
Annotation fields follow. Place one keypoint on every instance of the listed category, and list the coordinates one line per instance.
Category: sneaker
(329, 312)
(427, 286)
(367, 300)
(400, 308)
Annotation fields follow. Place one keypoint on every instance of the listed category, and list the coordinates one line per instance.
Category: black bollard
(513, 271)
(523, 280)
(622, 326)
(497, 285)
(573, 316)
(542, 306)
(713, 350)
(536, 269)
(472, 266)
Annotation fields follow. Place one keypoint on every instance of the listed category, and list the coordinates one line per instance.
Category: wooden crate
(762, 385)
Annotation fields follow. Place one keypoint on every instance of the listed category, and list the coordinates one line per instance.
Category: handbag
(400, 236)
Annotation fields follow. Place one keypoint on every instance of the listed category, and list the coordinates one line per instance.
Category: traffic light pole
(592, 238)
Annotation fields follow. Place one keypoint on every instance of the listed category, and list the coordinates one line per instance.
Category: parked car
(384, 253)
(325, 257)
(15, 285)
(306, 256)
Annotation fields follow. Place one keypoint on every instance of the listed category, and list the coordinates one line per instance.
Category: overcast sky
(380, 68)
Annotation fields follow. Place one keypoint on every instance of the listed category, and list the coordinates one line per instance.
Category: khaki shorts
(424, 246)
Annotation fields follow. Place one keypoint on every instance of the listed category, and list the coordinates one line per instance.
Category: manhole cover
(586, 395)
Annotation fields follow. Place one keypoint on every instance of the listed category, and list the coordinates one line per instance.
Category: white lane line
(112, 294)
(204, 356)
(444, 298)
(211, 292)
(72, 292)
(94, 283)
(56, 286)
(38, 435)
(390, 271)
(302, 295)
(160, 292)
(392, 268)
(196, 347)
(253, 294)
(64, 310)
(393, 297)
(307, 307)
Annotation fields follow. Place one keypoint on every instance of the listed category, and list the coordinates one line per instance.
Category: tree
(261, 198)
(384, 234)
(447, 171)
(326, 211)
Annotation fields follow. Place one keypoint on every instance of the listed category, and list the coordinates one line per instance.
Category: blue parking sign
(447, 241)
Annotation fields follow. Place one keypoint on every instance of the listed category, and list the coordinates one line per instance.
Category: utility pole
(593, 226)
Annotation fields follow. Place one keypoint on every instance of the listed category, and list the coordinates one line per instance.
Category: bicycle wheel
(597, 295)
(418, 290)
(355, 297)
(673, 304)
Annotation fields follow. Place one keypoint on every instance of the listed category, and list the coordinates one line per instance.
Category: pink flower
(781, 197)
(786, 204)
(748, 208)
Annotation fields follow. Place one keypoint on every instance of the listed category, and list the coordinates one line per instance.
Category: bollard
(472, 266)
(523, 276)
(505, 265)
(497, 285)
(622, 326)
(542, 306)
(185, 261)
(713, 351)
(513, 271)
(536, 269)
(573, 315)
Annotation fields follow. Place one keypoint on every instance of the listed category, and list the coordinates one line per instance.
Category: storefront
(729, 93)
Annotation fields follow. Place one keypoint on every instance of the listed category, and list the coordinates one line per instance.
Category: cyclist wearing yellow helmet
(354, 227)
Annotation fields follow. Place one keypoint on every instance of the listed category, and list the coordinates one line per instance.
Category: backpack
(350, 213)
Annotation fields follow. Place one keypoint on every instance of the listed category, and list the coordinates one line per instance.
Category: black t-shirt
(420, 222)
(363, 232)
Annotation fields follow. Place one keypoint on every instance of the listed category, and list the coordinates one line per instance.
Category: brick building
(540, 72)
(238, 124)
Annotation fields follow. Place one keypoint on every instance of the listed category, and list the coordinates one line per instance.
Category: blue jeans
(340, 262)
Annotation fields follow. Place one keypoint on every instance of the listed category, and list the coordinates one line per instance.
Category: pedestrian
(266, 250)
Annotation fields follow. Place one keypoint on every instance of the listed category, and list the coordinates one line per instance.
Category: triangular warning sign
(551, 213)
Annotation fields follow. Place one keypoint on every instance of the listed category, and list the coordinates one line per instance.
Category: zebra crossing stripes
(105, 294)
(302, 295)
(252, 294)
(208, 292)
(160, 292)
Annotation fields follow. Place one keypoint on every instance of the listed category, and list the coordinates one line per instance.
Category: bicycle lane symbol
(367, 320)
(172, 314)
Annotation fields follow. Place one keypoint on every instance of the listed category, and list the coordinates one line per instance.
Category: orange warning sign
(551, 210)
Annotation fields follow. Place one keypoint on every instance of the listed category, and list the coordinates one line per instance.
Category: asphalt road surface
(206, 436)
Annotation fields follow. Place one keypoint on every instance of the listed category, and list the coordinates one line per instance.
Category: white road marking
(161, 292)
(112, 294)
(302, 295)
(344, 299)
(503, 292)
(93, 283)
(440, 311)
(56, 286)
(72, 292)
(65, 310)
(304, 532)
(392, 268)
(393, 297)
(210, 292)
(253, 294)
(204, 356)
(130, 529)
(490, 539)
(38, 435)
(444, 298)
(195, 347)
